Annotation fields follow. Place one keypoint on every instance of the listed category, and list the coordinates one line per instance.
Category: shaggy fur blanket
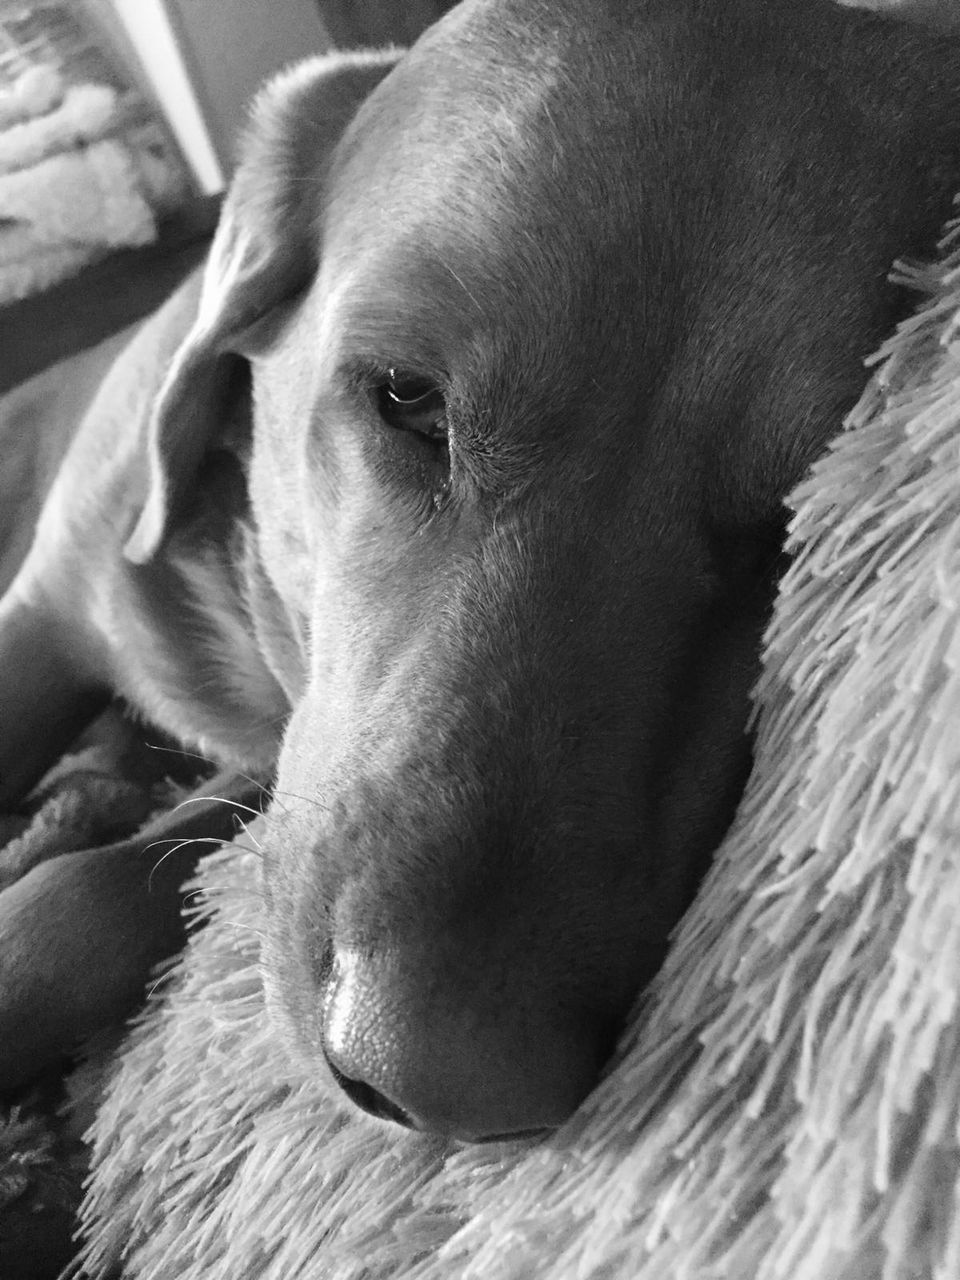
(787, 1101)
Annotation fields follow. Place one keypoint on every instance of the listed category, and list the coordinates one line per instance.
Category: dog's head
(544, 319)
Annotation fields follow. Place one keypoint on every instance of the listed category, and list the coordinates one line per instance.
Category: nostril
(375, 1104)
(369, 1099)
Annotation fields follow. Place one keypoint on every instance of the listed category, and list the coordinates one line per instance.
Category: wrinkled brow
(416, 312)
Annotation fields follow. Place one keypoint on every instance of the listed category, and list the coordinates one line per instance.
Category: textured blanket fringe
(788, 1102)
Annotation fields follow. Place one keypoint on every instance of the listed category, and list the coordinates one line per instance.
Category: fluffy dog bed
(788, 1102)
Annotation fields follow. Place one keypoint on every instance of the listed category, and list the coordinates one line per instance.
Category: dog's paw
(79, 935)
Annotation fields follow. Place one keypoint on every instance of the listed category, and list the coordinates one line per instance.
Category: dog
(450, 495)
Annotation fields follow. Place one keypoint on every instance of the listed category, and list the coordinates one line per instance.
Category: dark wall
(373, 22)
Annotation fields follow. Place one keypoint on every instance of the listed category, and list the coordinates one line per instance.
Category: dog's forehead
(477, 165)
(447, 155)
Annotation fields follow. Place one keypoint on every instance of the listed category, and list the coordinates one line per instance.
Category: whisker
(263, 787)
(179, 751)
(195, 755)
(252, 892)
(249, 834)
(236, 804)
(177, 844)
(180, 841)
(316, 804)
(238, 924)
(158, 983)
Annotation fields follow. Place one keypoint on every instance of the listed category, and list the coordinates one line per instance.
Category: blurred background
(118, 128)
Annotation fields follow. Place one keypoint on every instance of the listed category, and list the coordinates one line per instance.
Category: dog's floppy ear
(265, 249)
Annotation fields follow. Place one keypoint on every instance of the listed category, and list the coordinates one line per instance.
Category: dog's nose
(415, 1051)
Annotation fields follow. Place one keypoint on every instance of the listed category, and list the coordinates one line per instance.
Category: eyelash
(409, 401)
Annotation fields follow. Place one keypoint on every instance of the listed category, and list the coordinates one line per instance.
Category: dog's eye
(412, 402)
